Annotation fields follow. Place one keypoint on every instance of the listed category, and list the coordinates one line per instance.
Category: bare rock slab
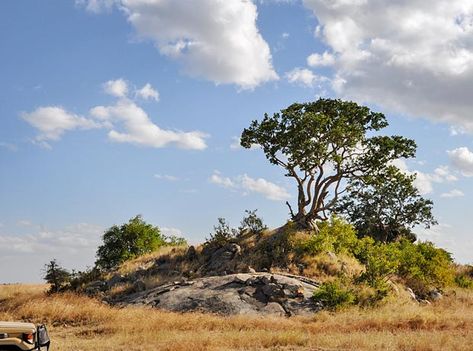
(233, 294)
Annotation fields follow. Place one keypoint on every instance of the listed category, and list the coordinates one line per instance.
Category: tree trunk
(305, 222)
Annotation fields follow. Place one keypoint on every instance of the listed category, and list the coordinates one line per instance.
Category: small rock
(273, 308)
(435, 295)
(115, 279)
(272, 290)
(191, 253)
(139, 286)
(411, 294)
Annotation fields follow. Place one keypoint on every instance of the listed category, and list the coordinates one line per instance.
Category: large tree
(321, 145)
(132, 239)
(386, 206)
(56, 275)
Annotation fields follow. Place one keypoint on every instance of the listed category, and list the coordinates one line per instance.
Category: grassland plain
(81, 324)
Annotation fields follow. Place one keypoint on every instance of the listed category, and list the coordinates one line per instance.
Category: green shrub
(424, 266)
(368, 296)
(334, 235)
(57, 276)
(222, 234)
(380, 260)
(464, 281)
(252, 223)
(81, 278)
(130, 240)
(334, 295)
(464, 276)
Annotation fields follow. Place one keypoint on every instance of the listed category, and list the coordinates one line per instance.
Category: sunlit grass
(81, 323)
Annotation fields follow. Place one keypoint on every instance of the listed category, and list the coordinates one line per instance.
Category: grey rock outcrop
(435, 295)
(221, 261)
(233, 294)
(115, 280)
(139, 286)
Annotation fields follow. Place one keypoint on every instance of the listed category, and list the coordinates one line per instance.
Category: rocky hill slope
(243, 293)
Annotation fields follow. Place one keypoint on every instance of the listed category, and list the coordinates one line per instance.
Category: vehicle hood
(17, 327)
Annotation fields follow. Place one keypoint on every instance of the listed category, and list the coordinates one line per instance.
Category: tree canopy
(322, 145)
(56, 275)
(386, 207)
(132, 239)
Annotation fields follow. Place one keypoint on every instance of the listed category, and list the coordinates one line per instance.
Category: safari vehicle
(16, 336)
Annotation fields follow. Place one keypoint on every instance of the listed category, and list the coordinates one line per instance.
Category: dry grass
(80, 323)
(147, 260)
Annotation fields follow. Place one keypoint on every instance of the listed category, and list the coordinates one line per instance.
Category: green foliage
(425, 266)
(380, 260)
(81, 278)
(386, 206)
(252, 223)
(421, 265)
(335, 235)
(222, 234)
(367, 296)
(319, 144)
(464, 281)
(334, 295)
(56, 275)
(173, 240)
(464, 276)
(130, 240)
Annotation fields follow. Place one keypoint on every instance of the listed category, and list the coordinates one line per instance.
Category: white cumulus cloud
(118, 87)
(424, 182)
(126, 121)
(53, 121)
(96, 6)
(147, 92)
(260, 185)
(216, 40)
(303, 76)
(73, 246)
(316, 60)
(131, 124)
(246, 184)
(171, 231)
(414, 57)
(218, 179)
(453, 193)
(462, 159)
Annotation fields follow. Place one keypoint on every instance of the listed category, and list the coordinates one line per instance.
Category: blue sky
(112, 108)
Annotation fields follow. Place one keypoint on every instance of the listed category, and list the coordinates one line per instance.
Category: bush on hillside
(464, 281)
(381, 261)
(464, 276)
(335, 235)
(57, 276)
(222, 234)
(252, 223)
(130, 240)
(421, 266)
(424, 266)
(334, 295)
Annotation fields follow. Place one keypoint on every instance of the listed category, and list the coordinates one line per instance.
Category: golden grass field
(78, 323)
